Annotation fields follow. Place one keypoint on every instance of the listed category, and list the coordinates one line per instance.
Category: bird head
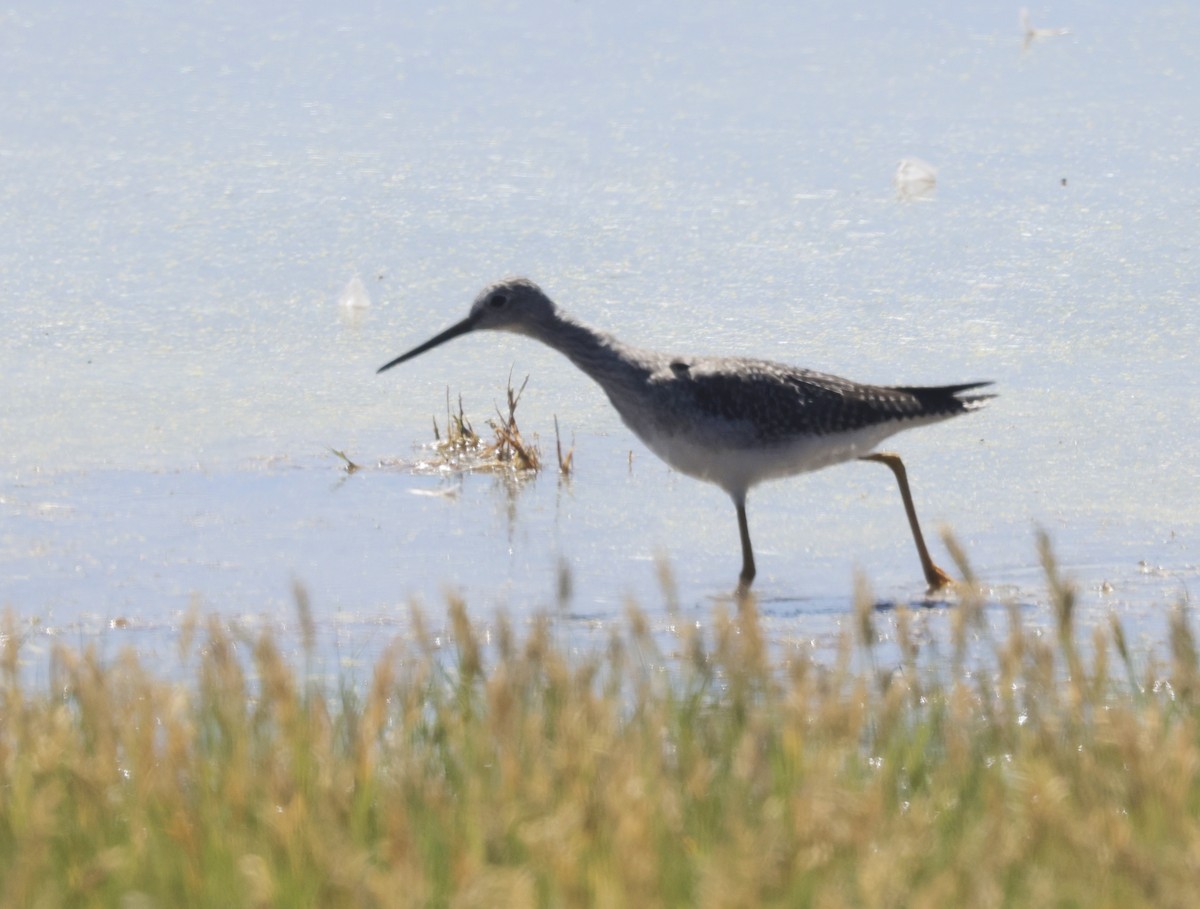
(514, 304)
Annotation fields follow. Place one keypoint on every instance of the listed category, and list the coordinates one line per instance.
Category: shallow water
(186, 195)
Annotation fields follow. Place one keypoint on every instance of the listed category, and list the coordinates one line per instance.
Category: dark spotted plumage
(732, 422)
(782, 402)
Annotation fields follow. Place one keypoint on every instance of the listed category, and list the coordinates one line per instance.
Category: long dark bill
(449, 334)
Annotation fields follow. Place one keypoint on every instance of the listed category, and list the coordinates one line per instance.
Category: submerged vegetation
(501, 770)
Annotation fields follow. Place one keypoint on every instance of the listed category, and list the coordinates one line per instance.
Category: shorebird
(730, 421)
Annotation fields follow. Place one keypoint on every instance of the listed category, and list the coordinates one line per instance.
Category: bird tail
(943, 398)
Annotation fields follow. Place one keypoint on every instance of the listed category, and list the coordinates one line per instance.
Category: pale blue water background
(185, 190)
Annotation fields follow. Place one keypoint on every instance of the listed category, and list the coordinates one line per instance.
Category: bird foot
(938, 579)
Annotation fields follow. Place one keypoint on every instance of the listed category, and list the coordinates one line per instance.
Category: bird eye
(498, 301)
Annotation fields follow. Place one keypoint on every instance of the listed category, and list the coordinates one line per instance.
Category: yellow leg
(936, 578)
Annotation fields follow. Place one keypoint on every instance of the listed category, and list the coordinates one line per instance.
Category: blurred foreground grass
(514, 774)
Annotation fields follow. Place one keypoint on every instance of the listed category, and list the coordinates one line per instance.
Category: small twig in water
(349, 466)
(564, 464)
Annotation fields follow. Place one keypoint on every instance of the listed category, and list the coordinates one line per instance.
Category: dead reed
(463, 449)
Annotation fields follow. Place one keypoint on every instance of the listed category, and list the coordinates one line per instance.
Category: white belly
(736, 469)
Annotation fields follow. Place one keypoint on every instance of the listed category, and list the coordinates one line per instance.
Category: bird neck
(609, 362)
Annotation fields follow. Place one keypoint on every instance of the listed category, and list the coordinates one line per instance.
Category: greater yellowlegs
(727, 420)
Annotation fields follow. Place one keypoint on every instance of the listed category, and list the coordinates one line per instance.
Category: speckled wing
(782, 402)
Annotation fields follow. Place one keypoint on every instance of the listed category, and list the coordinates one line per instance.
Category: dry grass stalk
(564, 464)
(463, 449)
(509, 448)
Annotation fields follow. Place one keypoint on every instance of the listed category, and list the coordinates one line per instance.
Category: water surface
(186, 193)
